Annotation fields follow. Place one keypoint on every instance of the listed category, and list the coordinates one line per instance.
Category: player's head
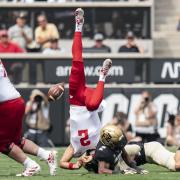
(113, 137)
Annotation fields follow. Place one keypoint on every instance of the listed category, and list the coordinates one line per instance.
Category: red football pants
(79, 94)
(11, 116)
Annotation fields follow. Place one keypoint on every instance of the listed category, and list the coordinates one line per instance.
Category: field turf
(9, 168)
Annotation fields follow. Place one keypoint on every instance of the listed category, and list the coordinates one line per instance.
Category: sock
(43, 154)
(29, 162)
(102, 77)
(78, 27)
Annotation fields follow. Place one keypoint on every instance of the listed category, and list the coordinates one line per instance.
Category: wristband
(70, 165)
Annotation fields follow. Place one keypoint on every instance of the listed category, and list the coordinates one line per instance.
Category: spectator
(54, 48)
(21, 33)
(37, 119)
(6, 46)
(45, 32)
(146, 121)
(99, 46)
(131, 46)
(120, 120)
(173, 130)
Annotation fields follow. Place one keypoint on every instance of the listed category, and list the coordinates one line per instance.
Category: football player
(12, 109)
(108, 153)
(85, 102)
(154, 153)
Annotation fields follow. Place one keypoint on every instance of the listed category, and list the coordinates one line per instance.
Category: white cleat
(31, 171)
(79, 16)
(106, 66)
(52, 162)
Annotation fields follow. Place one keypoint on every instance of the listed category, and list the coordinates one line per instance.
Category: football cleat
(52, 162)
(30, 171)
(79, 16)
(106, 66)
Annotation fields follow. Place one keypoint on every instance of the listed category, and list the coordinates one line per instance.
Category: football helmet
(113, 137)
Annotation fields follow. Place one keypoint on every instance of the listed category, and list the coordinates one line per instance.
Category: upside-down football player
(12, 109)
(85, 102)
(153, 153)
(109, 151)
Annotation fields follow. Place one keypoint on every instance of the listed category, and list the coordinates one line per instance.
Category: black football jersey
(108, 155)
(140, 158)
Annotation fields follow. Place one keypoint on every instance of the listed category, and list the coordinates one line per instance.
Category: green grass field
(9, 168)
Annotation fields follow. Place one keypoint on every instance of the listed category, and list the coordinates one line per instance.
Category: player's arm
(66, 158)
(129, 162)
(103, 168)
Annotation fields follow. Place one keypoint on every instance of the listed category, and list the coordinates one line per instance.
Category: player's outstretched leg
(49, 156)
(30, 167)
(77, 77)
(94, 97)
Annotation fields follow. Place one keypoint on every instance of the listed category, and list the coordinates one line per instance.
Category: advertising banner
(122, 71)
(165, 71)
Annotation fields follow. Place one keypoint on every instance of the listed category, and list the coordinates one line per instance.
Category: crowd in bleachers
(18, 38)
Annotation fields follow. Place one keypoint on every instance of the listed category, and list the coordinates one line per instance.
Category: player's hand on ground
(129, 171)
(78, 164)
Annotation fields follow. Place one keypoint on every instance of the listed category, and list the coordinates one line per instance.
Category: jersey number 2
(84, 140)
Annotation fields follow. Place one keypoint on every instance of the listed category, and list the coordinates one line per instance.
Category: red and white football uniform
(84, 128)
(7, 92)
(11, 112)
(84, 104)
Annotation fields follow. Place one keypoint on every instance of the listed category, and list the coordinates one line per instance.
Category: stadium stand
(166, 37)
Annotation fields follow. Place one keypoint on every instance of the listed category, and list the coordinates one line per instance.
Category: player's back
(8, 91)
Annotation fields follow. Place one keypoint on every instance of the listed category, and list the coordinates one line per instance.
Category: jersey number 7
(84, 140)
